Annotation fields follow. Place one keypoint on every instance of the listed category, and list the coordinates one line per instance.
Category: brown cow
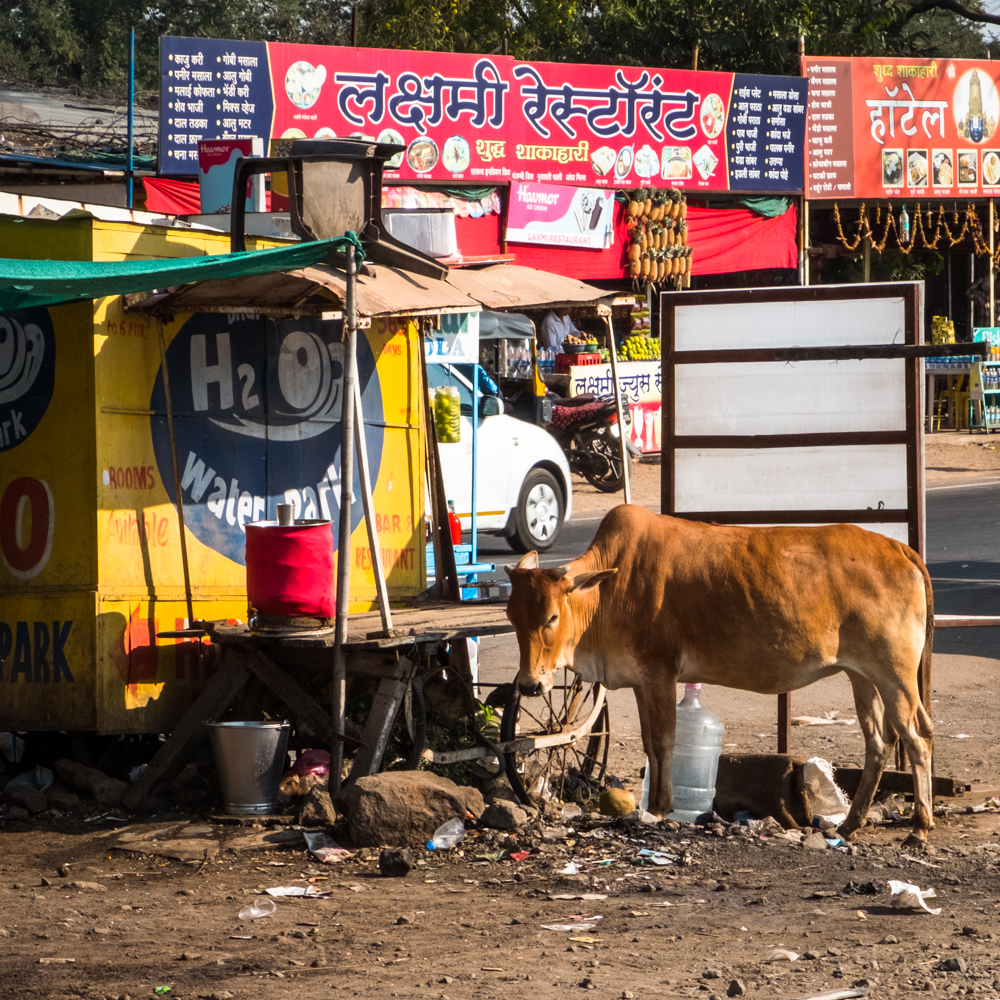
(656, 600)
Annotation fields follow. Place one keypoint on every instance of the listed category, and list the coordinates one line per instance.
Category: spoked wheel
(562, 741)
(608, 476)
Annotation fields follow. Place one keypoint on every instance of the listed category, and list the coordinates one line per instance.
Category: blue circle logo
(27, 373)
(257, 415)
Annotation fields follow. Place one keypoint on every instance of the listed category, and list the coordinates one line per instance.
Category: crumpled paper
(907, 896)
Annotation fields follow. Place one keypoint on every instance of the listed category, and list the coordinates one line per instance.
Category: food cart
(166, 422)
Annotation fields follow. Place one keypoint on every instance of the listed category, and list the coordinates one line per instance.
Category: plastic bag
(324, 848)
(38, 777)
(312, 762)
(907, 896)
(829, 803)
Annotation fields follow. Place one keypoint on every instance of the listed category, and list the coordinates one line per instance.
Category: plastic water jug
(697, 746)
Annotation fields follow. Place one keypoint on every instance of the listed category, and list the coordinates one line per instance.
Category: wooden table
(273, 659)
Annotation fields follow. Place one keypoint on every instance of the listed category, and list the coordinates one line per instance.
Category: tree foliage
(84, 42)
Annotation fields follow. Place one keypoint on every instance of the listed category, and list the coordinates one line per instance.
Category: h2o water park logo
(27, 373)
(257, 416)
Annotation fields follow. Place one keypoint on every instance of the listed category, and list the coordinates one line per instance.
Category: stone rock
(617, 802)
(62, 799)
(812, 956)
(711, 974)
(395, 863)
(736, 988)
(954, 965)
(815, 842)
(316, 808)
(87, 886)
(399, 807)
(502, 815)
(16, 812)
(890, 939)
(107, 791)
(26, 797)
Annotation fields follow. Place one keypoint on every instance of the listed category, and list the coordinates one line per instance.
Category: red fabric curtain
(172, 197)
(727, 240)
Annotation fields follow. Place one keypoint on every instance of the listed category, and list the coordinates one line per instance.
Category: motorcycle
(586, 428)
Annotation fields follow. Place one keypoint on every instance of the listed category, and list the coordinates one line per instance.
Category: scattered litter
(828, 800)
(960, 736)
(587, 896)
(582, 924)
(571, 869)
(586, 939)
(491, 968)
(861, 915)
(571, 811)
(919, 861)
(520, 856)
(860, 889)
(240, 937)
(447, 835)
(258, 908)
(781, 955)
(136, 773)
(39, 778)
(323, 847)
(161, 990)
(299, 890)
(844, 994)
(826, 719)
(312, 762)
(658, 857)
(556, 832)
(906, 896)
(278, 864)
(55, 961)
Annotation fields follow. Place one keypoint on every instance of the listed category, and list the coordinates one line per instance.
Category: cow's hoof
(916, 842)
(846, 834)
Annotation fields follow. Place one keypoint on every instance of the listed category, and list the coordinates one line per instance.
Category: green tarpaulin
(28, 283)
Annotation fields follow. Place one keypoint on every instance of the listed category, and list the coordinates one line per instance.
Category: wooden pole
(694, 57)
(866, 260)
(339, 686)
(618, 406)
(177, 472)
(993, 217)
(381, 590)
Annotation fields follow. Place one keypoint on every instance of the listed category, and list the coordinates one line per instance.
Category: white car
(524, 489)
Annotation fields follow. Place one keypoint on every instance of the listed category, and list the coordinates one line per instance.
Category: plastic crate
(566, 361)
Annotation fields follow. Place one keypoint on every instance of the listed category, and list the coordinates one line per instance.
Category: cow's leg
(657, 718)
(871, 719)
(908, 717)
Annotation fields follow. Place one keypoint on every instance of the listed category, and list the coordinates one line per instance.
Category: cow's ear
(583, 582)
(527, 561)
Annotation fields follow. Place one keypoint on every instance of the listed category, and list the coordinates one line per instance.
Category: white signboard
(456, 342)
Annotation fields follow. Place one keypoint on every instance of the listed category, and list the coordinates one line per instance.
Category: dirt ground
(466, 924)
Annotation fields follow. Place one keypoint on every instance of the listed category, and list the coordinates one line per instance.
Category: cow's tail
(928, 634)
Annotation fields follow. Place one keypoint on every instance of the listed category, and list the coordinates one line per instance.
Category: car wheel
(539, 515)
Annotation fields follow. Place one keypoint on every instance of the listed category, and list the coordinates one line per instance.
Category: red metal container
(290, 569)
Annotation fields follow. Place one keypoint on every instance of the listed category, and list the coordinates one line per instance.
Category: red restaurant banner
(902, 128)
(473, 119)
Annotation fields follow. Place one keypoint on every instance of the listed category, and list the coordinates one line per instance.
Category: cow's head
(549, 609)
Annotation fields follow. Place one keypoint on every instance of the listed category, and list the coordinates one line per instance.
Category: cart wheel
(568, 764)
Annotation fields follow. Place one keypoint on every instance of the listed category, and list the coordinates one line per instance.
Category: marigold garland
(970, 223)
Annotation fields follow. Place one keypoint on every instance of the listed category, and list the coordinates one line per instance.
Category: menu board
(481, 119)
(906, 128)
(210, 89)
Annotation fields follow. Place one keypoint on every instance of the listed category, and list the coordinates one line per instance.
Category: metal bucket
(250, 757)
